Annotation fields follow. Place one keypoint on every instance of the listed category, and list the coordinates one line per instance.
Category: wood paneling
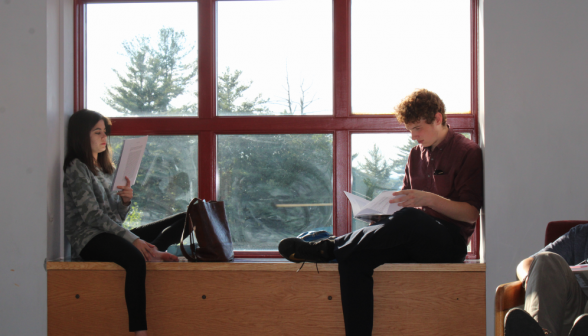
(268, 265)
(259, 302)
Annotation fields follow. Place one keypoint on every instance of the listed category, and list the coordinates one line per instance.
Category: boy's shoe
(580, 327)
(519, 323)
(297, 250)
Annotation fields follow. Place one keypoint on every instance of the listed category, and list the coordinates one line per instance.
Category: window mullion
(206, 97)
(206, 58)
(341, 182)
(207, 165)
(342, 58)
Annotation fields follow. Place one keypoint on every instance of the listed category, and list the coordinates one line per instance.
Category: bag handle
(190, 223)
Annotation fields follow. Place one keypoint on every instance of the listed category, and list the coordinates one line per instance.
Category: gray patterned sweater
(90, 207)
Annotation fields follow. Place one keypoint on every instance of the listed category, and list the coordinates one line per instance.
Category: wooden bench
(265, 297)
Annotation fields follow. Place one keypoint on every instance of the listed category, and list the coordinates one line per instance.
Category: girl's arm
(78, 180)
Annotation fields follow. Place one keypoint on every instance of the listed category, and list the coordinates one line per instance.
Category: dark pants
(108, 247)
(409, 236)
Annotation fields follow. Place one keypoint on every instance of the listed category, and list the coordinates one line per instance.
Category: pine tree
(154, 75)
(377, 172)
(398, 165)
(230, 90)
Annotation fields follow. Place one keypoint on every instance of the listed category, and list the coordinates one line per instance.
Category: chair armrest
(508, 295)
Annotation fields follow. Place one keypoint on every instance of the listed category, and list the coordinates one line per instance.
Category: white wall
(536, 118)
(33, 86)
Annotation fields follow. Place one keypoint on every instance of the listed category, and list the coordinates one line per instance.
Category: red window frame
(207, 125)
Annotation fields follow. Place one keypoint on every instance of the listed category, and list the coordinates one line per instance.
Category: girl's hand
(126, 194)
(145, 248)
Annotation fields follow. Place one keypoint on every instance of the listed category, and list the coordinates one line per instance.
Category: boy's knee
(548, 261)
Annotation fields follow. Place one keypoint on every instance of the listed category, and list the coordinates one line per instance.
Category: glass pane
(377, 164)
(167, 180)
(275, 186)
(142, 59)
(275, 57)
(400, 46)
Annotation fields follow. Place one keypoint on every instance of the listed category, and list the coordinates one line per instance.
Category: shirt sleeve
(78, 180)
(469, 181)
(564, 246)
(406, 180)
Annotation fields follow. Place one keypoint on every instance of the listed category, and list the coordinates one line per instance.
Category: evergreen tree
(154, 75)
(230, 90)
(377, 172)
(399, 163)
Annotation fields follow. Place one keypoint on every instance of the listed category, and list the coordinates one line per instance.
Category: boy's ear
(438, 118)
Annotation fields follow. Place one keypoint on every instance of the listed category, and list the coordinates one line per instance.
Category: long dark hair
(78, 141)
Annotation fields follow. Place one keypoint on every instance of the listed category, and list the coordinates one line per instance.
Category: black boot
(297, 250)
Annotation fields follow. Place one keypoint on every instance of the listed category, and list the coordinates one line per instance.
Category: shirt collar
(447, 140)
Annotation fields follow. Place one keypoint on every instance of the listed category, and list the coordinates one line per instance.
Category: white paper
(581, 273)
(130, 161)
(379, 206)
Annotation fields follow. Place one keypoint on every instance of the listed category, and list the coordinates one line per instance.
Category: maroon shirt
(453, 170)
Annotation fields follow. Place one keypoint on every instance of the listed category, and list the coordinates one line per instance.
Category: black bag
(209, 222)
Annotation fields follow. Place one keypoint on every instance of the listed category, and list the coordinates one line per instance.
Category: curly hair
(421, 104)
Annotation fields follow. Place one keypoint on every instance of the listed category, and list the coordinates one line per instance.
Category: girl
(94, 215)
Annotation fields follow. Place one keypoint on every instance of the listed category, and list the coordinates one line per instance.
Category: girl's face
(98, 138)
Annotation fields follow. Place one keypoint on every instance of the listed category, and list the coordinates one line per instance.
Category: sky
(397, 46)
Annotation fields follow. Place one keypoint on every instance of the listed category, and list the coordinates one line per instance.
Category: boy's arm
(461, 211)
(523, 269)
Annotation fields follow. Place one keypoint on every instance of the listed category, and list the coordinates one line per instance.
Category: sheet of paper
(130, 161)
(357, 202)
(380, 205)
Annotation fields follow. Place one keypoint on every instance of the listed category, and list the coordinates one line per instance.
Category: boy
(441, 198)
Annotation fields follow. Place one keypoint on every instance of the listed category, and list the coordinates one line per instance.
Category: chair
(512, 294)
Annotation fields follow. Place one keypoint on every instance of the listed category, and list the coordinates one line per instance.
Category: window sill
(265, 265)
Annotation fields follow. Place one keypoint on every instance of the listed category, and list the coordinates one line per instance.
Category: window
(275, 107)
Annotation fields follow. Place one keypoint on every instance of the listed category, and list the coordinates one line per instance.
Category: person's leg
(428, 239)
(356, 282)
(410, 235)
(108, 247)
(553, 296)
(164, 232)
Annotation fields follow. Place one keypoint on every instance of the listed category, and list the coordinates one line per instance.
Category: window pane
(400, 46)
(167, 180)
(275, 57)
(275, 186)
(141, 59)
(377, 164)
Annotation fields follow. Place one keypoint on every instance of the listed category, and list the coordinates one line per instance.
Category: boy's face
(427, 134)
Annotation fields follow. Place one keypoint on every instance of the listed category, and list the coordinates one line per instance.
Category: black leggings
(108, 247)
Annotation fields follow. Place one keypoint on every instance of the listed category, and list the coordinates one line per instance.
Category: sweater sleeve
(78, 180)
(122, 209)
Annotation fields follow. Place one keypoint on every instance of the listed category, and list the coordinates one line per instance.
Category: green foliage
(154, 76)
(257, 173)
(133, 217)
(230, 91)
(377, 172)
(399, 164)
(265, 178)
(167, 178)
